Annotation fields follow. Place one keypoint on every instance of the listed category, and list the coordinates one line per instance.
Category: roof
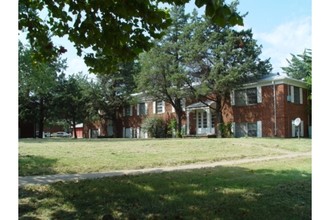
(200, 105)
(276, 78)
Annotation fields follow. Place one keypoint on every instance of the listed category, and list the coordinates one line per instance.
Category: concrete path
(48, 179)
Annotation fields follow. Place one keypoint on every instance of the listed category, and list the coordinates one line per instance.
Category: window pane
(252, 129)
(240, 97)
(296, 95)
(240, 129)
(142, 109)
(204, 120)
(127, 111)
(159, 106)
(251, 96)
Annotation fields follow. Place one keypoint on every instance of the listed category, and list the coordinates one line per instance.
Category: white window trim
(259, 128)
(259, 94)
(232, 97)
(301, 96)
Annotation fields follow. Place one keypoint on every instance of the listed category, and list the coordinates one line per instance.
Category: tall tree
(223, 59)
(72, 99)
(115, 31)
(300, 67)
(37, 81)
(113, 91)
(162, 74)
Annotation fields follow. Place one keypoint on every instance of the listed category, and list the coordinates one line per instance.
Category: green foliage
(162, 75)
(156, 127)
(171, 128)
(36, 86)
(222, 59)
(300, 67)
(115, 31)
(226, 130)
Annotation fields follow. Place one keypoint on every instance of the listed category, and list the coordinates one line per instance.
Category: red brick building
(266, 108)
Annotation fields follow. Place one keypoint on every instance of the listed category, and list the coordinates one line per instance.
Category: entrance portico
(204, 118)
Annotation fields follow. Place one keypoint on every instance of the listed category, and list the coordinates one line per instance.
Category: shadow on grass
(30, 165)
(215, 193)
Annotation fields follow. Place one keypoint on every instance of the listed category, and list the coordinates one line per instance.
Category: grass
(60, 156)
(268, 190)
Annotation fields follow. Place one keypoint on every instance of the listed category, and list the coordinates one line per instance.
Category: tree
(300, 67)
(72, 99)
(162, 75)
(37, 81)
(114, 31)
(223, 59)
(113, 91)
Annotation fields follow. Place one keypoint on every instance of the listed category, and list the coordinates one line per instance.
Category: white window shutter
(301, 95)
(154, 107)
(293, 127)
(131, 132)
(232, 97)
(259, 128)
(138, 132)
(163, 106)
(259, 94)
(233, 130)
(131, 110)
(146, 108)
(292, 94)
(138, 109)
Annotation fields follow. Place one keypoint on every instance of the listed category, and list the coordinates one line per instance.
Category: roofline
(282, 80)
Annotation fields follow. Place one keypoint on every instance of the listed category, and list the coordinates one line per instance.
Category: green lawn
(59, 156)
(278, 189)
(268, 190)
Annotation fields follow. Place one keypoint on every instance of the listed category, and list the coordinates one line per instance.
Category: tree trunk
(179, 123)
(219, 118)
(41, 118)
(74, 128)
(114, 125)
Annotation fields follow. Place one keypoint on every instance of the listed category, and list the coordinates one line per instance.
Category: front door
(202, 125)
(202, 122)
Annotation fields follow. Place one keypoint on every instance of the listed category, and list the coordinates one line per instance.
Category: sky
(282, 27)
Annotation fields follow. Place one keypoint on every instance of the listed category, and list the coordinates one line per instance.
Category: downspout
(275, 119)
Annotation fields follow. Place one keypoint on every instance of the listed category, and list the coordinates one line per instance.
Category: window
(248, 129)
(127, 111)
(246, 96)
(142, 109)
(251, 95)
(252, 129)
(295, 95)
(159, 107)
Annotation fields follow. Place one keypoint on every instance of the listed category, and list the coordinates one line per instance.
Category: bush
(156, 127)
(226, 130)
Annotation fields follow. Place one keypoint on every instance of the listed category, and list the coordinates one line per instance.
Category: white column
(209, 126)
(188, 123)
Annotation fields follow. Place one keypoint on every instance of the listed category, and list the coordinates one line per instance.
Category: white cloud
(288, 38)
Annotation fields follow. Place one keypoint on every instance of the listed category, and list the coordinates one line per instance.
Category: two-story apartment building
(266, 108)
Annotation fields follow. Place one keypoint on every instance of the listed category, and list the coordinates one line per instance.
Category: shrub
(156, 127)
(226, 130)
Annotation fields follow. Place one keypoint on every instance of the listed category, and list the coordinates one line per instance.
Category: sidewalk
(48, 179)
